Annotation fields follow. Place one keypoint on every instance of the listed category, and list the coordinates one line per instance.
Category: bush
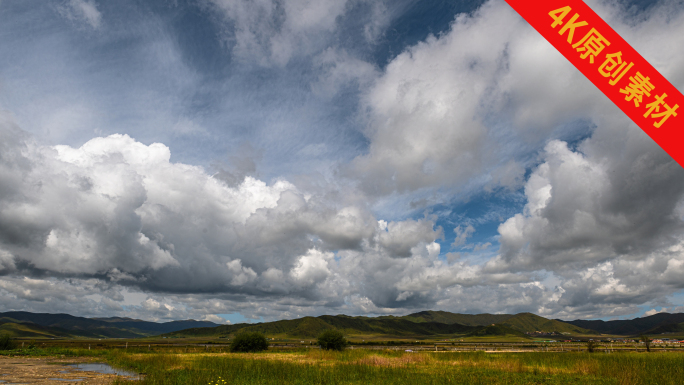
(249, 342)
(646, 341)
(591, 346)
(332, 340)
(6, 342)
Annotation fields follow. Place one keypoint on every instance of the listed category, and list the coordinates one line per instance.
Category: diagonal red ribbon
(618, 70)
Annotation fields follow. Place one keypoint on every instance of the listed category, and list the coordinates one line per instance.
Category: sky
(257, 160)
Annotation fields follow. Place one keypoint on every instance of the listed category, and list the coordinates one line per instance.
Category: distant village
(611, 339)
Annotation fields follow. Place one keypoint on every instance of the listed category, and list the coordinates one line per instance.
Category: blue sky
(278, 158)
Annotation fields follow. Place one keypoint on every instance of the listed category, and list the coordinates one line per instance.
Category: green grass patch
(393, 367)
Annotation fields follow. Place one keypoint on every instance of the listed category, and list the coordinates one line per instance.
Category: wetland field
(212, 364)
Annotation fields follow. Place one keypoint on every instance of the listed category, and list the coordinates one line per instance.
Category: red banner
(613, 66)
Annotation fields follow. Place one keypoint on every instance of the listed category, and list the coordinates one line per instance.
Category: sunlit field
(391, 367)
(214, 365)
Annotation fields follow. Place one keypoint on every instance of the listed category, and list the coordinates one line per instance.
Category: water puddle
(66, 379)
(105, 369)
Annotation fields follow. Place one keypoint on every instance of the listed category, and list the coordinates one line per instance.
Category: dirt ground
(24, 370)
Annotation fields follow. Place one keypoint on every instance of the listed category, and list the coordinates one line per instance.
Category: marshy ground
(49, 370)
(186, 366)
(400, 367)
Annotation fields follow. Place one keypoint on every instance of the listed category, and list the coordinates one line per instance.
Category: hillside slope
(499, 331)
(530, 323)
(421, 324)
(417, 324)
(69, 325)
(424, 324)
(74, 326)
(522, 322)
(668, 329)
(17, 328)
(310, 327)
(455, 318)
(630, 327)
(155, 328)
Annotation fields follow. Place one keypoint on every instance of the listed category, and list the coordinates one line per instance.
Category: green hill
(522, 322)
(668, 329)
(218, 331)
(497, 330)
(530, 323)
(422, 324)
(49, 325)
(302, 327)
(455, 318)
(396, 327)
(631, 327)
(28, 329)
(311, 327)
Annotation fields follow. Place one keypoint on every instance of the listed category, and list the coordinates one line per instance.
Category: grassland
(168, 363)
(399, 367)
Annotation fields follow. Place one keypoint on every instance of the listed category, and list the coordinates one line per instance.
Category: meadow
(398, 367)
(186, 365)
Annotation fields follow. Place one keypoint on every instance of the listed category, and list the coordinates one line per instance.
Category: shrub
(646, 341)
(591, 346)
(6, 342)
(332, 340)
(249, 342)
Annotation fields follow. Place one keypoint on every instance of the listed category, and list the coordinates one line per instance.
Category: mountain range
(654, 324)
(424, 324)
(38, 325)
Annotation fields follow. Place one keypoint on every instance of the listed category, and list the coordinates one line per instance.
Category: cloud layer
(487, 108)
